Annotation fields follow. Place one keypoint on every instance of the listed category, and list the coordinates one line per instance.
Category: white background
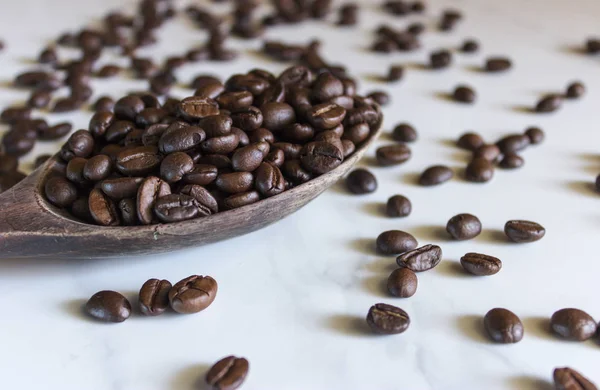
(293, 297)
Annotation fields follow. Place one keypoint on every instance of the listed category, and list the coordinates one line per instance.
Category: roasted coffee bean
(480, 265)
(361, 181)
(248, 120)
(387, 319)
(398, 206)
(154, 297)
(17, 144)
(470, 46)
(394, 242)
(404, 133)
(108, 306)
(97, 168)
(575, 90)
(440, 59)
(592, 46)
(149, 117)
(197, 55)
(416, 28)
(470, 141)
(348, 147)
(204, 80)
(503, 326)
(513, 143)
(524, 231)
(138, 161)
(54, 132)
(175, 166)
(104, 103)
(299, 76)
(128, 212)
(48, 56)
(197, 107)
(100, 123)
(242, 199)
(74, 170)
(573, 324)
(60, 192)
(235, 100)
(298, 132)
(205, 199)
(326, 115)
(228, 373)
(568, 379)
(224, 144)
(122, 187)
(479, 170)
(179, 207)
(39, 99)
(392, 154)
(81, 209)
(362, 114)
(201, 174)
(218, 160)
(149, 191)
(435, 175)
(38, 80)
(248, 82)
(488, 152)
(209, 90)
(276, 157)
(357, 133)
(269, 180)
(320, 157)
(216, 125)
(463, 227)
(151, 136)
(8, 163)
(294, 170)
(330, 137)
(464, 94)
(133, 138)
(103, 209)
(128, 107)
(243, 139)
(345, 101)
(511, 161)
(497, 64)
(108, 71)
(179, 138)
(193, 294)
(395, 73)
(421, 259)
(11, 115)
(384, 45)
(326, 87)
(402, 283)
(277, 116)
(235, 182)
(248, 158)
(535, 135)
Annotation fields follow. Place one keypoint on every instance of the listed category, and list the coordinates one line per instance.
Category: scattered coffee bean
(361, 181)
(392, 154)
(402, 283)
(497, 64)
(60, 192)
(440, 59)
(228, 373)
(463, 227)
(566, 378)
(395, 73)
(104, 103)
(488, 152)
(387, 319)
(575, 90)
(549, 103)
(421, 259)
(511, 161)
(382, 98)
(108, 306)
(39, 99)
(394, 242)
(398, 206)
(470, 141)
(593, 46)
(404, 133)
(513, 143)
(193, 294)
(154, 297)
(464, 94)
(479, 170)
(524, 231)
(503, 326)
(480, 265)
(435, 175)
(535, 135)
(470, 46)
(573, 324)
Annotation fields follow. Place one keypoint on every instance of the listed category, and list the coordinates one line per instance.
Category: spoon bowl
(32, 227)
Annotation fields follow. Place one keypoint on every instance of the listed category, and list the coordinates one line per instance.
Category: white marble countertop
(293, 297)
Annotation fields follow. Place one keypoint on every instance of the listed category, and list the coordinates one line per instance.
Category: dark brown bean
(248, 120)
(197, 107)
(573, 324)
(122, 187)
(138, 161)
(242, 199)
(201, 174)
(497, 64)
(224, 144)
(97, 168)
(393, 242)
(39, 99)
(549, 103)
(404, 133)
(269, 180)
(216, 125)
(235, 182)
(235, 100)
(104, 103)
(277, 116)
(402, 283)
(179, 207)
(128, 107)
(228, 373)
(435, 175)
(149, 191)
(479, 170)
(470, 46)
(326, 115)
(470, 141)
(489, 152)
(513, 143)
(108, 306)
(361, 181)
(524, 231)
(178, 138)
(395, 73)
(74, 170)
(464, 94)
(535, 134)
(320, 157)
(566, 378)
(175, 166)
(294, 170)
(393, 154)
(193, 294)
(575, 90)
(464, 227)
(421, 259)
(440, 59)
(511, 161)
(503, 326)
(398, 206)
(60, 192)
(250, 157)
(480, 265)
(387, 319)
(103, 209)
(154, 297)
(54, 132)
(205, 199)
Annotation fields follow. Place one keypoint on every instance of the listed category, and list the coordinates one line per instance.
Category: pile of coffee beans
(229, 145)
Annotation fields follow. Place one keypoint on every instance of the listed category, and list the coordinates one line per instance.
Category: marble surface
(293, 296)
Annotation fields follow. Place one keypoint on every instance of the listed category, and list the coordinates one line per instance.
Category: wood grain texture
(31, 227)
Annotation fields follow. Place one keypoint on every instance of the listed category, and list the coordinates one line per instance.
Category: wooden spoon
(32, 227)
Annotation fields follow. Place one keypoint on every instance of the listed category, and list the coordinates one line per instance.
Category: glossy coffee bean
(179, 207)
(387, 319)
(480, 265)
(119, 130)
(503, 326)
(549, 103)
(435, 175)
(175, 166)
(269, 180)
(326, 87)
(524, 231)
(497, 64)
(138, 161)
(235, 182)
(402, 283)
(293, 170)
(60, 192)
(104, 103)
(216, 125)
(440, 59)
(154, 297)
(277, 116)
(395, 73)
(128, 107)
(16, 144)
(421, 259)
(357, 133)
(249, 158)
(566, 378)
(79, 144)
(489, 152)
(398, 206)
(393, 242)
(228, 373)
(479, 170)
(179, 138)
(573, 324)
(103, 209)
(11, 115)
(193, 294)
(464, 227)
(382, 98)
(108, 306)
(393, 154)
(127, 212)
(320, 157)
(511, 161)
(119, 188)
(535, 135)
(224, 144)
(39, 99)
(326, 115)
(248, 120)
(470, 141)
(197, 107)
(206, 201)
(404, 133)
(575, 90)
(74, 170)
(242, 199)
(149, 191)
(57, 131)
(513, 143)
(464, 94)
(348, 147)
(470, 46)
(97, 167)
(235, 100)
(361, 181)
(201, 174)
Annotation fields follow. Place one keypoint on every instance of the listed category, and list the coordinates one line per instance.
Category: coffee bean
(387, 319)
(535, 135)
(393, 154)
(573, 324)
(74, 170)
(205, 199)
(404, 133)
(103, 209)
(277, 116)
(362, 114)
(17, 144)
(11, 115)
(149, 191)
(180, 138)
(549, 103)
(326, 87)
(97, 168)
(463, 227)
(511, 161)
(381, 97)
(326, 115)
(108, 71)
(357, 133)
(242, 199)
(108, 306)
(235, 100)
(39, 99)
(487, 152)
(575, 90)
(276, 157)
(348, 147)
(503, 326)
(421, 259)
(175, 166)
(218, 160)
(299, 132)
(470, 46)
(128, 107)
(480, 265)
(435, 175)
(119, 130)
(60, 192)
(398, 206)
(228, 373)
(179, 207)
(8, 163)
(38, 80)
(149, 117)
(524, 231)
(104, 103)
(402, 283)
(248, 120)
(440, 59)
(464, 94)
(201, 174)
(154, 297)
(479, 170)
(294, 170)
(394, 242)
(470, 141)
(592, 46)
(138, 161)
(568, 379)
(250, 157)
(128, 212)
(497, 64)
(361, 181)
(513, 143)
(54, 132)
(197, 107)
(269, 180)
(235, 182)
(193, 294)
(81, 209)
(320, 157)
(224, 144)
(100, 123)
(119, 188)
